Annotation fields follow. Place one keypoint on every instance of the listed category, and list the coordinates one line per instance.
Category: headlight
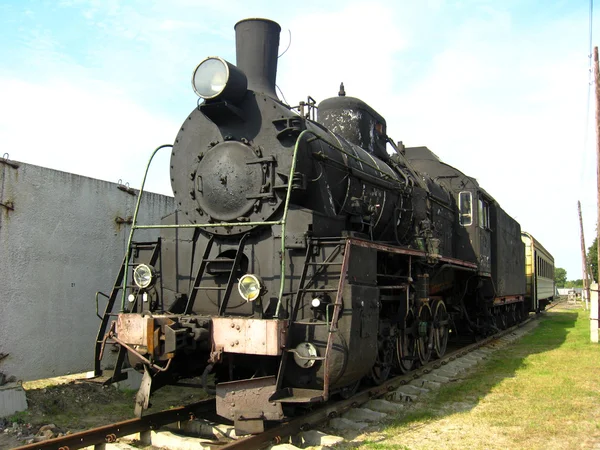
(144, 276)
(250, 287)
(216, 78)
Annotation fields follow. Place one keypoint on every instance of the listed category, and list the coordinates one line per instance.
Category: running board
(297, 395)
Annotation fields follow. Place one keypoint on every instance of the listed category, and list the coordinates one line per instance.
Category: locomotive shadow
(464, 392)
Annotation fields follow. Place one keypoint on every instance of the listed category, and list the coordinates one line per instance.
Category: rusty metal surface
(334, 320)
(408, 251)
(276, 435)
(387, 248)
(499, 301)
(249, 336)
(206, 408)
(133, 329)
(246, 400)
(459, 262)
(109, 433)
(125, 188)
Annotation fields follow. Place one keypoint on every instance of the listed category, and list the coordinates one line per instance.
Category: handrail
(284, 218)
(97, 305)
(281, 222)
(133, 226)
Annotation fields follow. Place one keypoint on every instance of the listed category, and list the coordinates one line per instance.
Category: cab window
(484, 214)
(465, 202)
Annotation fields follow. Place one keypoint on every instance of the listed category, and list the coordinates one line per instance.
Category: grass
(79, 405)
(542, 391)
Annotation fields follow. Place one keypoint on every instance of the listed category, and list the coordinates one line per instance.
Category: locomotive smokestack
(256, 45)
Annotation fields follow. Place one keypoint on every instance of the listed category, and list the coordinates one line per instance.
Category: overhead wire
(283, 53)
(589, 93)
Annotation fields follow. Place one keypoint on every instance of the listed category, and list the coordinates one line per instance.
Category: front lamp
(214, 78)
(250, 287)
(144, 276)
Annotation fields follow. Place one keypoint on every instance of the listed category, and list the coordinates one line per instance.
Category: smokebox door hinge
(290, 127)
(221, 113)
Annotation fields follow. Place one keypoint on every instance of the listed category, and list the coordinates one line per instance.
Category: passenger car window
(465, 202)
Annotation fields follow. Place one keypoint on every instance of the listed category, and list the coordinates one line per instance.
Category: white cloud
(353, 45)
(90, 129)
(501, 102)
(504, 104)
(510, 114)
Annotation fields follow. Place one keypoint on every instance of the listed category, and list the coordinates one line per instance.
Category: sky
(497, 89)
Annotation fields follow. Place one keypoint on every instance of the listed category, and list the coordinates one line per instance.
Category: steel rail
(110, 433)
(206, 409)
(330, 410)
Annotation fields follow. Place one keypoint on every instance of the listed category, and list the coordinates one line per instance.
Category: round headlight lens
(249, 287)
(210, 77)
(143, 276)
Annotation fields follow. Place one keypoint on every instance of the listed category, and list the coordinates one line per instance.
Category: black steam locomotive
(303, 258)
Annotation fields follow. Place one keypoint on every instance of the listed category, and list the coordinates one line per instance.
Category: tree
(574, 283)
(560, 277)
(592, 259)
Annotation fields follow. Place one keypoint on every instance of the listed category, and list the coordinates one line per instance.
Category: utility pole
(597, 84)
(595, 305)
(586, 285)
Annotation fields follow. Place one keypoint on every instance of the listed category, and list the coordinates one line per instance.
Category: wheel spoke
(425, 332)
(440, 324)
(406, 345)
(383, 365)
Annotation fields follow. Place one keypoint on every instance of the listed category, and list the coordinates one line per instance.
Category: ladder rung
(400, 286)
(225, 260)
(325, 263)
(316, 358)
(306, 322)
(320, 290)
(210, 288)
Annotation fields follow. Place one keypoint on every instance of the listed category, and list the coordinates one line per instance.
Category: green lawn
(542, 391)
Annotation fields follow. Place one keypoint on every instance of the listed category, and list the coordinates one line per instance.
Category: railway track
(274, 435)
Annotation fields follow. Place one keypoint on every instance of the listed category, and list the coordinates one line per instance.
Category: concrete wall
(59, 246)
